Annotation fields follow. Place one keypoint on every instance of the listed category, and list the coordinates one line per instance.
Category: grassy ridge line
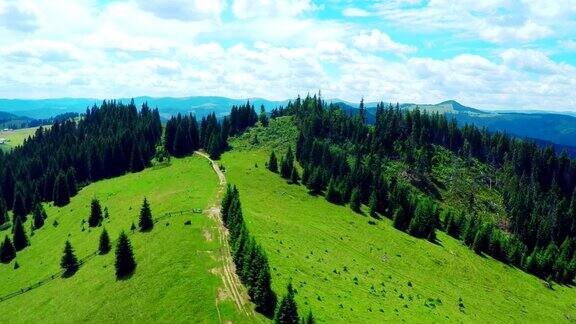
(176, 279)
(229, 276)
(81, 261)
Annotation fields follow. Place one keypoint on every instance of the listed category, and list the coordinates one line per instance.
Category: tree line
(183, 135)
(107, 141)
(252, 265)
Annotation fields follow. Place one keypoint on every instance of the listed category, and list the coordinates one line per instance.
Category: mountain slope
(178, 273)
(347, 267)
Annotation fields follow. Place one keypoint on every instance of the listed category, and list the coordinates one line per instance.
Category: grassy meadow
(16, 137)
(347, 267)
(176, 277)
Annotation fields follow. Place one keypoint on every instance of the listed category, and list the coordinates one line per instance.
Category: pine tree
(125, 263)
(104, 246)
(145, 222)
(19, 208)
(287, 311)
(294, 177)
(355, 200)
(425, 220)
(136, 160)
(95, 217)
(39, 216)
(373, 204)
(332, 195)
(3, 212)
(7, 251)
(19, 235)
(287, 164)
(262, 294)
(61, 193)
(273, 163)
(71, 181)
(400, 218)
(69, 262)
(262, 117)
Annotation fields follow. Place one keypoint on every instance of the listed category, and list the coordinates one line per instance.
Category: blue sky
(493, 54)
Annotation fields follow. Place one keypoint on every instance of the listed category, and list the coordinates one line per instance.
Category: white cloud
(377, 41)
(529, 60)
(497, 21)
(244, 9)
(184, 9)
(43, 50)
(355, 12)
(527, 32)
(19, 16)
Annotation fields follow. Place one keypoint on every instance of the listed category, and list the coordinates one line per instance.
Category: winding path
(232, 284)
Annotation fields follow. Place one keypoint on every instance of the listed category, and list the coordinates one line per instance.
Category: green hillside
(180, 268)
(348, 267)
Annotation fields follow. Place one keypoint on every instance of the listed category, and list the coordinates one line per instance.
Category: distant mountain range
(556, 128)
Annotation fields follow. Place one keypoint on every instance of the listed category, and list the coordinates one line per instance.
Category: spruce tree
(273, 163)
(287, 311)
(332, 195)
(19, 235)
(262, 294)
(287, 164)
(355, 199)
(145, 222)
(69, 262)
(294, 177)
(61, 193)
(95, 217)
(19, 207)
(7, 251)
(104, 246)
(3, 212)
(39, 215)
(71, 181)
(373, 204)
(399, 218)
(125, 263)
(136, 160)
(262, 117)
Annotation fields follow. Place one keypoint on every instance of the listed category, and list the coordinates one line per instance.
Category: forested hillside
(344, 156)
(347, 266)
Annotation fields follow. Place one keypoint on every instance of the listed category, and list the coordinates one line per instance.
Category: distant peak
(451, 102)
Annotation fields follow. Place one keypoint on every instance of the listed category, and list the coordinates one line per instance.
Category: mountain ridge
(558, 128)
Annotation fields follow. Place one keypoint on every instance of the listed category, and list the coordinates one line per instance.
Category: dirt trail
(232, 285)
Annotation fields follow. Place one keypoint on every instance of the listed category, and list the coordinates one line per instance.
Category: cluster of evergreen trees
(125, 262)
(183, 136)
(50, 166)
(287, 169)
(344, 157)
(252, 266)
(250, 259)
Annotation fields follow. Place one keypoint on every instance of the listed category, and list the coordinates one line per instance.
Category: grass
(351, 268)
(174, 279)
(16, 137)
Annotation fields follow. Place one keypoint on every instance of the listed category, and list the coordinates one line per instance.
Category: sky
(491, 54)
